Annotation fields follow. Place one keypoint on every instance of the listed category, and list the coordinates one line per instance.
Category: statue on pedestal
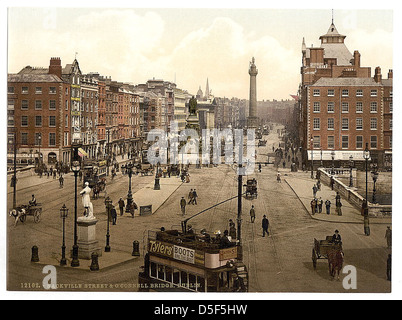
(192, 108)
(86, 202)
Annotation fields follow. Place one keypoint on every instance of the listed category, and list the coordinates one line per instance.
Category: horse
(98, 188)
(335, 262)
(17, 214)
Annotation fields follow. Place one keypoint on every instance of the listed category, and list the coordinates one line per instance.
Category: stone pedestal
(87, 242)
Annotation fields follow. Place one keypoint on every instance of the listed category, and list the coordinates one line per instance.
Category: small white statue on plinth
(86, 202)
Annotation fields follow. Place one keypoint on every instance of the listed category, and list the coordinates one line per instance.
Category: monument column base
(87, 242)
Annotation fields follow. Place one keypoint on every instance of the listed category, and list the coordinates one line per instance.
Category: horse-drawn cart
(322, 249)
(29, 210)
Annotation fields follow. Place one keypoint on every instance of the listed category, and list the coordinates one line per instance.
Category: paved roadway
(279, 263)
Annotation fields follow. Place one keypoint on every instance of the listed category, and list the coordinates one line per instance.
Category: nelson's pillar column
(252, 120)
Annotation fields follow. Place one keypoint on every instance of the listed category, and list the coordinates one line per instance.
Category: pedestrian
(195, 196)
(265, 226)
(313, 204)
(320, 204)
(259, 167)
(389, 267)
(366, 225)
(61, 181)
(183, 204)
(328, 206)
(190, 197)
(315, 191)
(121, 206)
(252, 214)
(338, 204)
(232, 229)
(278, 177)
(332, 183)
(113, 215)
(319, 185)
(388, 236)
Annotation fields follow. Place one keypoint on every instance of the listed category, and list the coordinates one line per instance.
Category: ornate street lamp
(366, 156)
(333, 162)
(374, 175)
(129, 170)
(75, 167)
(63, 215)
(312, 157)
(321, 163)
(108, 202)
(351, 164)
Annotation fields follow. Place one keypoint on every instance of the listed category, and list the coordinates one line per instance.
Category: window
(359, 124)
(331, 123)
(331, 92)
(373, 142)
(359, 107)
(316, 123)
(391, 107)
(373, 93)
(359, 93)
(345, 107)
(38, 121)
(24, 90)
(316, 92)
(359, 142)
(373, 123)
(316, 142)
(24, 121)
(52, 90)
(38, 90)
(38, 104)
(345, 93)
(24, 104)
(10, 90)
(24, 138)
(345, 142)
(390, 124)
(66, 138)
(345, 124)
(66, 121)
(317, 107)
(331, 107)
(331, 142)
(10, 104)
(52, 121)
(390, 142)
(373, 107)
(52, 139)
(52, 104)
(66, 105)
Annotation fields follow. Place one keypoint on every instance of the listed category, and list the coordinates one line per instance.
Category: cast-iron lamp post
(374, 175)
(75, 167)
(312, 157)
(351, 164)
(109, 207)
(129, 170)
(63, 215)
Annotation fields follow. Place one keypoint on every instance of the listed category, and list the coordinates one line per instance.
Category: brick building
(342, 107)
(38, 113)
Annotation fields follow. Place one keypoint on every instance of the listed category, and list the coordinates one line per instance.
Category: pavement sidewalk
(302, 185)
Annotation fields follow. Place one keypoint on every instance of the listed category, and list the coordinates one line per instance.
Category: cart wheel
(314, 258)
(37, 216)
(23, 218)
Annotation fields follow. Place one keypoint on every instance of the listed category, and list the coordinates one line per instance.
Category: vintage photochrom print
(198, 150)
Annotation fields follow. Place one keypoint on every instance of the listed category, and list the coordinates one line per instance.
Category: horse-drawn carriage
(330, 250)
(99, 187)
(262, 143)
(251, 189)
(21, 212)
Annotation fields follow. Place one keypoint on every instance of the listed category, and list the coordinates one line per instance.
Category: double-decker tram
(187, 260)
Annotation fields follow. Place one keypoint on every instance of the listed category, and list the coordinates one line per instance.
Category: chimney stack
(55, 67)
(390, 74)
(356, 56)
(377, 76)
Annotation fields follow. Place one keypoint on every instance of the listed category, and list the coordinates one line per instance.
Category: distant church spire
(207, 90)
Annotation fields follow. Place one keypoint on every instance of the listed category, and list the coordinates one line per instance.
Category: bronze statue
(192, 108)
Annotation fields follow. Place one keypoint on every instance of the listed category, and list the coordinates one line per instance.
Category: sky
(190, 45)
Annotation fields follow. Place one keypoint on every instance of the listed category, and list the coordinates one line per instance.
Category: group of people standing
(317, 204)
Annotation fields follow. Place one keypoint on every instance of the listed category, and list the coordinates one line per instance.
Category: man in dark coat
(121, 206)
(336, 238)
(113, 215)
(265, 226)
